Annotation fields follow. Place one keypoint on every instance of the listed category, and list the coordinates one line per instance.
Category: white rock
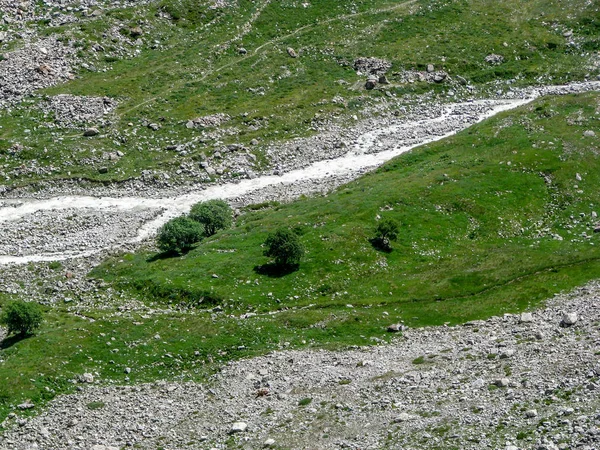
(530, 413)
(402, 417)
(526, 317)
(502, 382)
(238, 427)
(569, 319)
(589, 133)
(269, 443)
(87, 378)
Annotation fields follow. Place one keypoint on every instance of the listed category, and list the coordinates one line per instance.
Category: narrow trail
(273, 41)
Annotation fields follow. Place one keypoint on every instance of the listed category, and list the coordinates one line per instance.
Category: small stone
(269, 443)
(430, 68)
(371, 83)
(383, 80)
(136, 32)
(87, 378)
(589, 133)
(507, 353)
(91, 132)
(292, 52)
(395, 327)
(526, 317)
(238, 427)
(494, 59)
(127, 370)
(242, 51)
(402, 417)
(569, 319)
(26, 405)
(578, 177)
(154, 126)
(531, 413)
(568, 34)
(502, 382)
(103, 170)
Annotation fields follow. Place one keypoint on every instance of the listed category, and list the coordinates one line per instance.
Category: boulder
(238, 427)
(569, 319)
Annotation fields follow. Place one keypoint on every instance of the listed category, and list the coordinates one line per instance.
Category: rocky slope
(528, 381)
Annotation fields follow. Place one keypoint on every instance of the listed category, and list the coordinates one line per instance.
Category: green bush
(213, 214)
(21, 317)
(284, 246)
(385, 232)
(179, 235)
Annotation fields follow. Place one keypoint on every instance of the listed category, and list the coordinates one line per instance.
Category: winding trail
(371, 149)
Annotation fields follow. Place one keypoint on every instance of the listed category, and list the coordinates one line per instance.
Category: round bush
(21, 317)
(179, 235)
(284, 247)
(213, 214)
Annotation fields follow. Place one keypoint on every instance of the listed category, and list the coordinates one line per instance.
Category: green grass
(477, 235)
(196, 70)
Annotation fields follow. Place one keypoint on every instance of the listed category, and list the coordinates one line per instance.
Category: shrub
(21, 317)
(385, 232)
(179, 235)
(284, 246)
(213, 214)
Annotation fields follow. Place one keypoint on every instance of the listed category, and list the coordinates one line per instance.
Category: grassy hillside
(174, 61)
(493, 219)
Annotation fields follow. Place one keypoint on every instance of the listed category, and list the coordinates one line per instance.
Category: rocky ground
(514, 382)
(528, 381)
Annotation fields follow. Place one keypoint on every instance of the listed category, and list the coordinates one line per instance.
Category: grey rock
(526, 317)
(238, 427)
(292, 52)
(531, 413)
(91, 132)
(589, 133)
(494, 59)
(569, 319)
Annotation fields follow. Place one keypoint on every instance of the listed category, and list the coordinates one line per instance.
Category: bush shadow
(275, 270)
(9, 341)
(166, 255)
(381, 245)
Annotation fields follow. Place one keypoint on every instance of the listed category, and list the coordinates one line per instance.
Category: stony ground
(528, 381)
(514, 382)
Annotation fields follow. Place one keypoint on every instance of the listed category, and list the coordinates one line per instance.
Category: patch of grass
(419, 360)
(95, 405)
(438, 272)
(305, 401)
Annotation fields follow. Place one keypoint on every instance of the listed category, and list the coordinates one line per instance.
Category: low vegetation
(21, 318)
(477, 236)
